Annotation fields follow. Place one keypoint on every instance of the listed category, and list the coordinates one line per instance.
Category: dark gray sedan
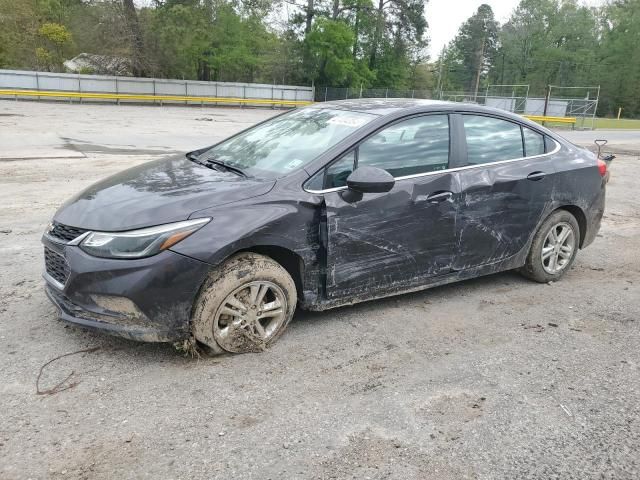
(320, 207)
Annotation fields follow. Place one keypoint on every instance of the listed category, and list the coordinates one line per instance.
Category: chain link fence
(327, 94)
(581, 103)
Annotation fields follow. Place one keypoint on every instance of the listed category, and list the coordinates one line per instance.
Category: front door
(387, 240)
(504, 190)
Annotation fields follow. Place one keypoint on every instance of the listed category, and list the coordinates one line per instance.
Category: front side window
(337, 173)
(491, 139)
(287, 142)
(409, 147)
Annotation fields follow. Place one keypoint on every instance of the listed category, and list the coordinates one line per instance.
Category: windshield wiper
(213, 161)
(231, 168)
(193, 157)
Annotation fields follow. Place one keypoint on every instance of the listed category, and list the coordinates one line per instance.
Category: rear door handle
(438, 197)
(535, 176)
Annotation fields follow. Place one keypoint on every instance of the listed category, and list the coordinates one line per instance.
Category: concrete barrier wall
(79, 83)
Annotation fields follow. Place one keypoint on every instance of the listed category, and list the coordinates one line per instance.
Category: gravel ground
(493, 378)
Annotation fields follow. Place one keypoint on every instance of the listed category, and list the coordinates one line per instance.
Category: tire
(548, 238)
(244, 305)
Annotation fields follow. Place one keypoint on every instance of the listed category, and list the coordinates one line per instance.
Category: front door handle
(535, 176)
(440, 196)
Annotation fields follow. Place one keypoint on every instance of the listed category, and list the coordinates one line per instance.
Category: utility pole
(547, 94)
(439, 87)
(480, 60)
(546, 102)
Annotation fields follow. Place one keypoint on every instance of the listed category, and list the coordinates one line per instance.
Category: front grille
(65, 232)
(56, 266)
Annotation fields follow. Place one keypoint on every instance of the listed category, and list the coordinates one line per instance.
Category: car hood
(157, 192)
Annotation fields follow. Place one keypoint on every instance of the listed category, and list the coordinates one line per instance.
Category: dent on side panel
(290, 222)
(578, 183)
(388, 240)
(365, 246)
(500, 209)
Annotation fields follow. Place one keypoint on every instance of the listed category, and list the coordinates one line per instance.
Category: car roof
(381, 106)
(397, 106)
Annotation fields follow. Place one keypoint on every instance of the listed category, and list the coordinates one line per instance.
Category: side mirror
(370, 180)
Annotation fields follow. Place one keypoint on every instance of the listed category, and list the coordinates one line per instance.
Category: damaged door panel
(503, 193)
(391, 238)
(378, 240)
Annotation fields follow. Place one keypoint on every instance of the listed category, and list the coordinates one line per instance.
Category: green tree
(619, 58)
(18, 34)
(469, 56)
(56, 39)
(547, 42)
(330, 45)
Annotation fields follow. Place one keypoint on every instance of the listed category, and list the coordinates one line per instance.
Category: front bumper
(148, 299)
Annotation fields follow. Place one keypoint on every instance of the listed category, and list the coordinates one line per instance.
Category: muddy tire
(244, 305)
(553, 249)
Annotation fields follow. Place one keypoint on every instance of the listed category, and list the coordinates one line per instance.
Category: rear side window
(409, 147)
(533, 142)
(491, 139)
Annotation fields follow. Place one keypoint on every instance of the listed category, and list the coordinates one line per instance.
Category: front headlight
(139, 243)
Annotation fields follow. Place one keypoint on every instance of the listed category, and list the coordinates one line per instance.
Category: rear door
(505, 186)
(392, 239)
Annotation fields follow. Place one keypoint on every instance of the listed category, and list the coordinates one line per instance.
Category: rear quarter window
(534, 142)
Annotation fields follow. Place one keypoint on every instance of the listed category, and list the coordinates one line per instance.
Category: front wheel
(553, 249)
(244, 305)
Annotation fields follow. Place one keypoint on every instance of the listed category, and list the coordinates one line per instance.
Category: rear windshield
(287, 142)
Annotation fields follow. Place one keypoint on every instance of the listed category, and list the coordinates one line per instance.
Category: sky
(446, 16)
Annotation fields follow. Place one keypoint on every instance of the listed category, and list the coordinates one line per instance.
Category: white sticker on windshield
(347, 121)
(295, 163)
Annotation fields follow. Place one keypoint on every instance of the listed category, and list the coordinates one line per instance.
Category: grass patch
(600, 123)
(612, 123)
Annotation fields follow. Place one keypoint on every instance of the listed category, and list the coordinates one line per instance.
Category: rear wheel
(554, 248)
(244, 305)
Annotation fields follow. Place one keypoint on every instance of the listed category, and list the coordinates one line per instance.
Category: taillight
(602, 167)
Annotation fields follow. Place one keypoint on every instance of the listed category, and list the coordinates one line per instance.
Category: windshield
(287, 142)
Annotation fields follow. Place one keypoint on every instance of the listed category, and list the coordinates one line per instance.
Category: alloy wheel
(252, 313)
(558, 248)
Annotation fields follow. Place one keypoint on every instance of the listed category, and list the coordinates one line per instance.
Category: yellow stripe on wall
(142, 97)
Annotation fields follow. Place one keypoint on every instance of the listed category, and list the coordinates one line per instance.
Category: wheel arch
(288, 259)
(580, 217)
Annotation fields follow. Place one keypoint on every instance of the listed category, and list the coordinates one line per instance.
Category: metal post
(325, 93)
(79, 88)
(546, 102)
(360, 89)
(595, 110)
(118, 92)
(244, 95)
(386, 93)
(37, 85)
(273, 105)
(186, 92)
